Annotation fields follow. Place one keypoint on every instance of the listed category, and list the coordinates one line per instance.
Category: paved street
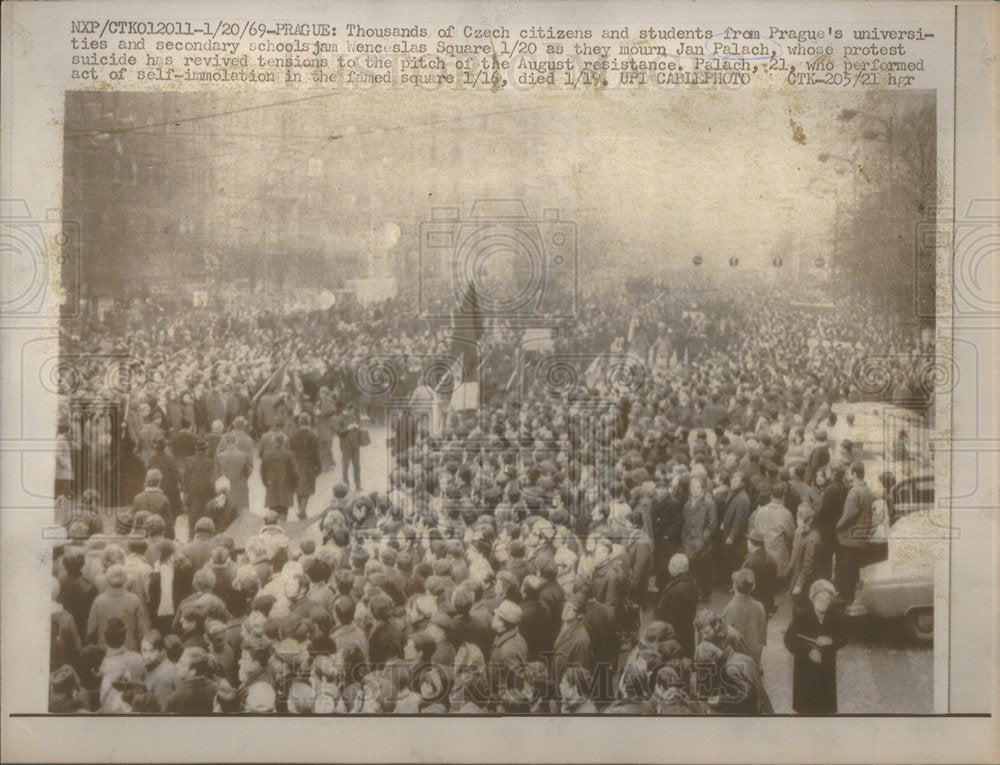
(881, 669)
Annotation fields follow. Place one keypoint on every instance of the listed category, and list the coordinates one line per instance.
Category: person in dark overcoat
(348, 428)
(679, 602)
(171, 483)
(814, 637)
(326, 415)
(280, 476)
(765, 570)
(198, 481)
(572, 646)
(304, 444)
(154, 501)
(221, 508)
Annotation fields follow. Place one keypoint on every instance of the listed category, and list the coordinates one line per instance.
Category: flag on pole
(276, 381)
(467, 329)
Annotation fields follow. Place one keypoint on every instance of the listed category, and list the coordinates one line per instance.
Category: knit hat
(510, 612)
(821, 585)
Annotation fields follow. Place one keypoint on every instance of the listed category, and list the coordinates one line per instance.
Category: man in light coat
(777, 526)
(117, 603)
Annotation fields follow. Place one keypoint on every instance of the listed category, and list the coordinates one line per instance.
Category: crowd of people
(549, 551)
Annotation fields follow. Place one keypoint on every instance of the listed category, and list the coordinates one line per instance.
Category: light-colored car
(903, 585)
(876, 433)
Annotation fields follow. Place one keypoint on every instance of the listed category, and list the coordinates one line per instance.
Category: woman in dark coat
(679, 602)
(814, 637)
(221, 509)
(305, 446)
(280, 476)
(198, 482)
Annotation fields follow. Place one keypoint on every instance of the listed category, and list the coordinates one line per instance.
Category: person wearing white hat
(814, 637)
(679, 602)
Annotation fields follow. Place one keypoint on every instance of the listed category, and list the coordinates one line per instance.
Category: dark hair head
(173, 647)
(424, 644)
(73, 563)
(343, 609)
(317, 570)
(343, 580)
(381, 607)
(263, 604)
(115, 633)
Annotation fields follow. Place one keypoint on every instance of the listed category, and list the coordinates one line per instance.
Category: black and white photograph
(409, 403)
(499, 382)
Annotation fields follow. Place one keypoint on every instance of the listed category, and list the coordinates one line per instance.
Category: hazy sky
(659, 174)
(643, 174)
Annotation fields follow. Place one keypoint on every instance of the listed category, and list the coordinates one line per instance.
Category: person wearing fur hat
(813, 638)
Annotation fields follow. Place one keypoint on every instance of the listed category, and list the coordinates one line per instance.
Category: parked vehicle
(902, 586)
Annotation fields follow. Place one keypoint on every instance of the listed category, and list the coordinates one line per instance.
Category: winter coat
(814, 686)
(280, 477)
(304, 445)
(678, 606)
